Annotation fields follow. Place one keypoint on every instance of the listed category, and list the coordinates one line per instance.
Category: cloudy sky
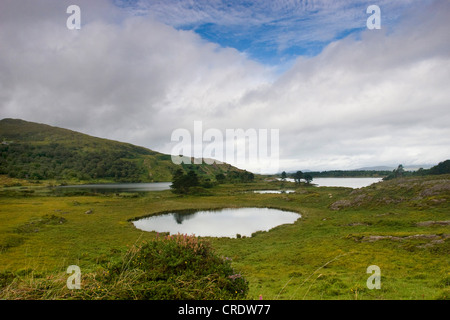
(342, 96)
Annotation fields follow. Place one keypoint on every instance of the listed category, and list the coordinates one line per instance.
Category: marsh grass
(170, 267)
(295, 261)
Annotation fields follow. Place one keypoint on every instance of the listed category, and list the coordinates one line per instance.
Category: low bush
(175, 267)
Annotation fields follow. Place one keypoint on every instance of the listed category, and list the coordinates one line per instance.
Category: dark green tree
(220, 178)
(283, 175)
(441, 168)
(192, 179)
(308, 178)
(247, 176)
(181, 182)
(298, 176)
(178, 174)
(399, 171)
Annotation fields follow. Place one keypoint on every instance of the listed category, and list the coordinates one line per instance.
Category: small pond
(228, 222)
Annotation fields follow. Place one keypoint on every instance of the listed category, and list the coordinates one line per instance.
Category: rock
(89, 211)
(387, 214)
(432, 223)
(354, 224)
(423, 236)
(435, 239)
(340, 204)
(376, 238)
(424, 246)
(436, 189)
(355, 202)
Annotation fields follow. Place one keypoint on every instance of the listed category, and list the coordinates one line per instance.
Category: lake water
(273, 191)
(117, 187)
(218, 223)
(108, 188)
(343, 182)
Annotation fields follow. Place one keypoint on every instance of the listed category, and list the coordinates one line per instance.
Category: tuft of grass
(34, 225)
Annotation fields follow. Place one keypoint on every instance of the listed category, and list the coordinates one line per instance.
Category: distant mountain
(39, 152)
(376, 168)
(390, 168)
(415, 167)
(294, 171)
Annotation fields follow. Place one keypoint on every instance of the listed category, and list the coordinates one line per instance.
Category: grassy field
(401, 226)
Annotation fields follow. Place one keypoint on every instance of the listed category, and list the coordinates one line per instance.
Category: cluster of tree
(190, 182)
(298, 176)
(183, 182)
(58, 161)
(235, 177)
(396, 173)
(441, 168)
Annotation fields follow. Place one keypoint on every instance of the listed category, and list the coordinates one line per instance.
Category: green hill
(441, 168)
(37, 151)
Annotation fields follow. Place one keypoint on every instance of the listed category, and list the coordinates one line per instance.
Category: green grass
(169, 267)
(323, 255)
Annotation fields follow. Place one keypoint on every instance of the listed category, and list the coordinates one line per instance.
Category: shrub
(35, 224)
(6, 277)
(11, 241)
(174, 267)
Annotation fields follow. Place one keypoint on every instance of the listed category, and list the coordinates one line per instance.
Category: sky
(342, 96)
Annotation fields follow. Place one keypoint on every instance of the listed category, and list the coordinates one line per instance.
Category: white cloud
(381, 99)
(275, 24)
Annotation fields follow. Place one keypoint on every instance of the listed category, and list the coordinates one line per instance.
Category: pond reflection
(217, 223)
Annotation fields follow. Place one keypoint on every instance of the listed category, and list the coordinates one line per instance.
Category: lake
(226, 222)
(108, 188)
(116, 187)
(342, 182)
(345, 182)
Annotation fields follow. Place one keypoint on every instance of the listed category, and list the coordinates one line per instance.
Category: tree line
(56, 161)
(348, 173)
(441, 168)
(191, 183)
(298, 176)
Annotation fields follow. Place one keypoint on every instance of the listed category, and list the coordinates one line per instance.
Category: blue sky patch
(268, 31)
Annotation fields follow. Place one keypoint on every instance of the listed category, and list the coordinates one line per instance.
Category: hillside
(421, 192)
(37, 151)
(441, 168)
